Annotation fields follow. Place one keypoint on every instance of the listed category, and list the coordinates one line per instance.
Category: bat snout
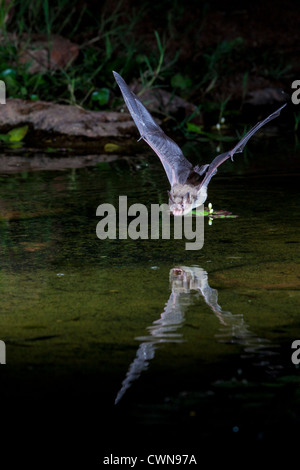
(180, 209)
(177, 210)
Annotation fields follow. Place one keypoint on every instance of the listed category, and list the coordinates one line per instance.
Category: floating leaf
(17, 134)
(214, 214)
(223, 215)
(200, 213)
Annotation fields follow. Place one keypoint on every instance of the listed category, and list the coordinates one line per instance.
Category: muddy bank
(57, 126)
(60, 126)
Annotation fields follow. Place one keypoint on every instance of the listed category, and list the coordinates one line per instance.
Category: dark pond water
(134, 347)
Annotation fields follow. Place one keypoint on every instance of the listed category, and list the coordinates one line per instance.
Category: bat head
(180, 200)
(183, 198)
(186, 278)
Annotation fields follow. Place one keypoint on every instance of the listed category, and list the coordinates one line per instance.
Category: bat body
(188, 183)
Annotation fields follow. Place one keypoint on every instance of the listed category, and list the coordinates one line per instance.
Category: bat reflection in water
(184, 281)
(188, 183)
(187, 284)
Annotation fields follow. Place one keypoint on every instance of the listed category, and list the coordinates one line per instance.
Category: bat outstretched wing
(176, 166)
(212, 168)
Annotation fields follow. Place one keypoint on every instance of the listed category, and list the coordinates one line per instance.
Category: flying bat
(188, 183)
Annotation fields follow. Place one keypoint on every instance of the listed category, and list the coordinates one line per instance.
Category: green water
(192, 345)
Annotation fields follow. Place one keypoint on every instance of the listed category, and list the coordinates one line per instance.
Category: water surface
(160, 347)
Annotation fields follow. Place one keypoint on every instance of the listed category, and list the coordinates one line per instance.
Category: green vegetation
(142, 43)
(15, 135)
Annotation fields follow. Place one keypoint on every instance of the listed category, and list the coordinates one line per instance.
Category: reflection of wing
(234, 330)
(161, 331)
(212, 168)
(145, 353)
(176, 166)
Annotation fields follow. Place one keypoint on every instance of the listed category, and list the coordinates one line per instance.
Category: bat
(188, 183)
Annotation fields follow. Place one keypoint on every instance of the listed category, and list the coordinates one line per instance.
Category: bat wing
(212, 168)
(176, 166)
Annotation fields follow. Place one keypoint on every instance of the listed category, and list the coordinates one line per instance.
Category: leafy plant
(14, 135)
(152, 72)
(219, 60)
(212, 214)
(111, 36)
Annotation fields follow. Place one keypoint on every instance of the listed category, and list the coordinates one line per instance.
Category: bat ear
(187, 197)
